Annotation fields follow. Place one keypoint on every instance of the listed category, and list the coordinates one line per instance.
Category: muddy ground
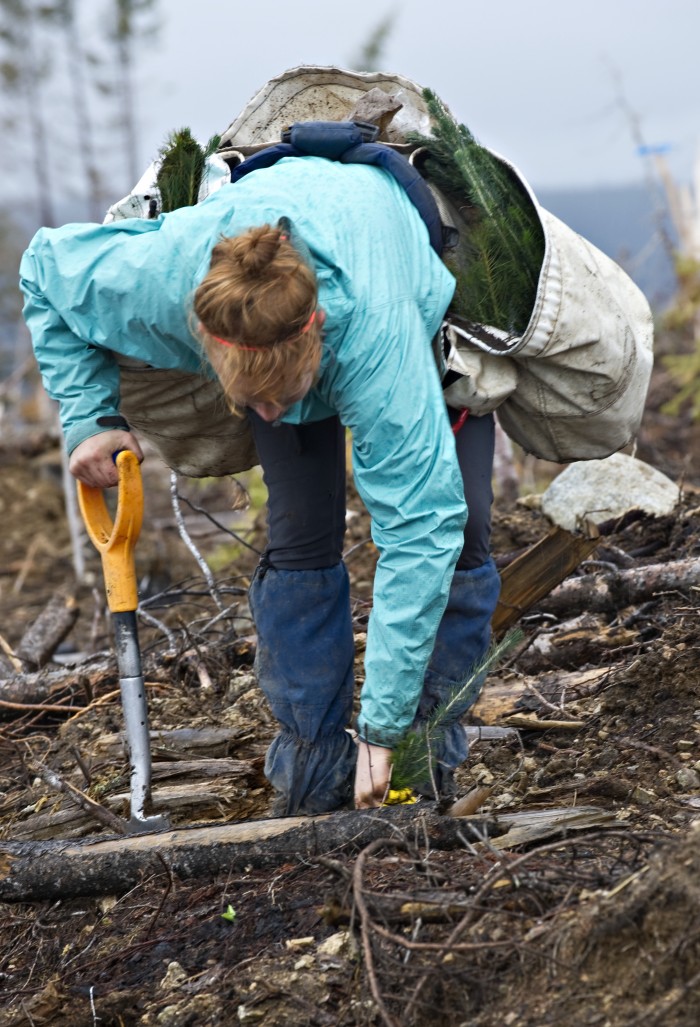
(595, 926)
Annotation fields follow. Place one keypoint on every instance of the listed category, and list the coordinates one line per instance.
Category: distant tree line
(68, 70)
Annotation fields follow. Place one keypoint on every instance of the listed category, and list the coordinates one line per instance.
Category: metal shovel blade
(135, 707)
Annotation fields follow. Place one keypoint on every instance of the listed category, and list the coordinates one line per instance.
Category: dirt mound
(639, 946)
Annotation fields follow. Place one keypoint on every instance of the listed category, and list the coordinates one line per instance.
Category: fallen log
(37, 687)
(202, 768)
(88, 805)
(503, 697)
(544, 823)
(33, 688)
(51, 870)
(575, 642)
(193, 800)
(190, 796)
(212, 741)
(71, 822)
(616, 589)
(41, 639)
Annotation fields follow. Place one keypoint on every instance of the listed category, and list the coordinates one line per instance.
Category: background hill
(626, 223)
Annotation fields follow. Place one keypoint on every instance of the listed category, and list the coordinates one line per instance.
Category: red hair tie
(259, 349)
(308, 324)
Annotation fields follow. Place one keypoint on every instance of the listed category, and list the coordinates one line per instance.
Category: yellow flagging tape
(400, 796)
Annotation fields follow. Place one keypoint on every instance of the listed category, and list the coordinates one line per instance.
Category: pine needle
(497, 266)
(182, 163)
(413, 758)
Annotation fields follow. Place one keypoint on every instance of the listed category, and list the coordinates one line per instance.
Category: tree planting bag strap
(347, 142)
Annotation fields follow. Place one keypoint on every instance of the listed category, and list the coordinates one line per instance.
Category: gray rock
(597, 490)
(688, 779)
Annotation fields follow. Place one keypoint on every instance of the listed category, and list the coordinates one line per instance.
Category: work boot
(462, 642)
(304, 665)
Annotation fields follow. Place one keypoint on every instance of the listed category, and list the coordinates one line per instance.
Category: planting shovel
(115, 544)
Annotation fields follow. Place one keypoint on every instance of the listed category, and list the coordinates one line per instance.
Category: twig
(531, 722)
(437, 946)
(358, 545)
(163, 897)
(95, 1017)
(538, 695)
(414, 935)
(32, 1021)
(186, 538)
(108, 697)
(155, 623)
(9, 652)
(334, 865)
(27, 563)
(97, 616)
(195, 661)
(219, 616)
(433, 783)
(218, 524)
(47, 707)
(361, 905)
(468, 804)
(105, 816)
(84, 769)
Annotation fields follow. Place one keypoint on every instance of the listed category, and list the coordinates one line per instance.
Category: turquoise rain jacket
(126, 287)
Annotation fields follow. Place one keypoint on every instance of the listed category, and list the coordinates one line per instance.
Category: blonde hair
(259, 296)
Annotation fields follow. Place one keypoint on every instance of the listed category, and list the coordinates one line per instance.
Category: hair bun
(258, 289)
(258, 249)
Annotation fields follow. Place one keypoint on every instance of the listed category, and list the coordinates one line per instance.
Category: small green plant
(181, 169)
(413, 760)
(229, 914)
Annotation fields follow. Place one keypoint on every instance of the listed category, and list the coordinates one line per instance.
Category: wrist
(83, 430)
(383, 737)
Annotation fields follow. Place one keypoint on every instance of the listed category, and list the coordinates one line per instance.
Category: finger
(366, 803)
(131, 443)
(367, 799)
(100, 476)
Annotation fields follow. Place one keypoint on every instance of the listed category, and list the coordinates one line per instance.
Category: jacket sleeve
(83, 378)
(406, 471)
(93, 290)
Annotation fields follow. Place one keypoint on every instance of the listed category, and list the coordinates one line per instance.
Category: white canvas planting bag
(572, 387)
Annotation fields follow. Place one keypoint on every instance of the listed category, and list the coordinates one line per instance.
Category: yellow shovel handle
(116, 541)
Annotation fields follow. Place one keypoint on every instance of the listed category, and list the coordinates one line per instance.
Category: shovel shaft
(126, 640)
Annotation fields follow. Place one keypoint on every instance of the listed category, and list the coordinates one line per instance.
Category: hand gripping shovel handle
(115, 543)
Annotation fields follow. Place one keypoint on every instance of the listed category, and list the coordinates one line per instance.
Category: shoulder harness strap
(351, 142)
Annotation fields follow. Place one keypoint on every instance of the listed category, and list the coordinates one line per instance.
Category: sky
(564, 90)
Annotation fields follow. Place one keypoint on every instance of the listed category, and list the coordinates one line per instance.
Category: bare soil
(595, 927)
